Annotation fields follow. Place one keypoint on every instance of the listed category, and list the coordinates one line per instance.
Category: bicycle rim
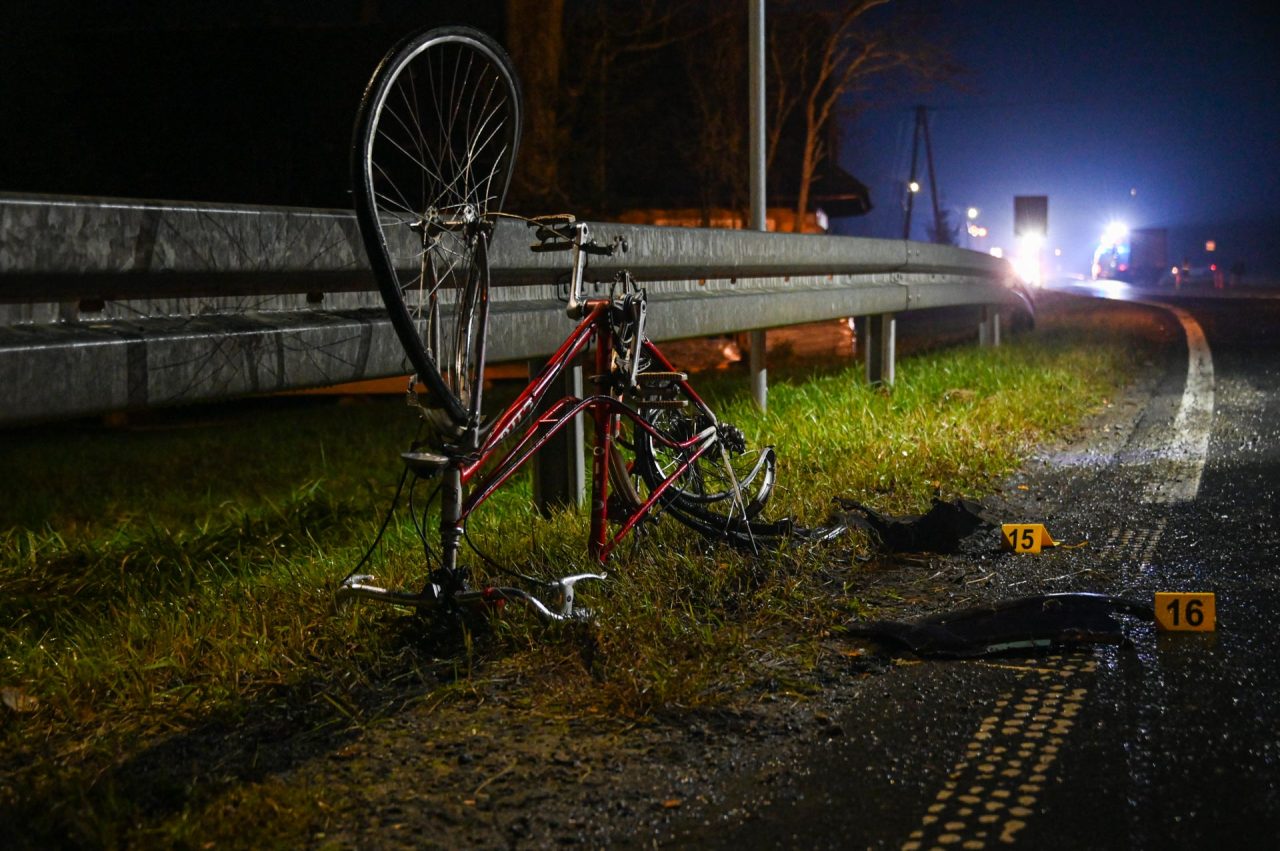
(434, 145)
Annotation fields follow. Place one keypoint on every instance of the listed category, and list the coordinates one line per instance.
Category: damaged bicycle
(434, 146)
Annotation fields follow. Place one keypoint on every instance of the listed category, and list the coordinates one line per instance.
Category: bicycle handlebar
(563, 232)
(360, 586)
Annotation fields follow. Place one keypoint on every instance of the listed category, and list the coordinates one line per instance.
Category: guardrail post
(878, 345)
(989, 327)
(559, 472)
(759, 369)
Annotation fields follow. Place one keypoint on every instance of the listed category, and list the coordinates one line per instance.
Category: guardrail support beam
(879, 346)
(989, 327)
(559, 471)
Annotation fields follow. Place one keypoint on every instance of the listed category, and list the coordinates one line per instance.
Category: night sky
(1163, 114)
(238, 101)
(1086, 102)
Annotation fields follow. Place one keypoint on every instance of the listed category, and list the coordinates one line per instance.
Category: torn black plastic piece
(1028, 623)
(939, 531)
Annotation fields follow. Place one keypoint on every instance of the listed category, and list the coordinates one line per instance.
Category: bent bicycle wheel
(434, 145)
(723, 490)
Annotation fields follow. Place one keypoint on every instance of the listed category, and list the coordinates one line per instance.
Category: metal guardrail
(110, 304)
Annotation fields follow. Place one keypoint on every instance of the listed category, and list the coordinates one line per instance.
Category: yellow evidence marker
(1186, 612)
(1025, 537)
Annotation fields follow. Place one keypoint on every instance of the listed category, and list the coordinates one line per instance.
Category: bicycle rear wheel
(722, 491)
(432, 154)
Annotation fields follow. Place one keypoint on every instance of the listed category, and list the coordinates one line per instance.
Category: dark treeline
(631, 104)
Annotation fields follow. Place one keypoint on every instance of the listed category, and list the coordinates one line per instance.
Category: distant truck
(1139, 257)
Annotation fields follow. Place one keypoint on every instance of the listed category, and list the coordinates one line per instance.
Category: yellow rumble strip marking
(992, 790)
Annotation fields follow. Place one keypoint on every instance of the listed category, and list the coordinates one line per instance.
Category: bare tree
(817, 60)
(596, 71)
(535, 39)
(716, 73)
(717, 91)
(612, 39)
(826, 57)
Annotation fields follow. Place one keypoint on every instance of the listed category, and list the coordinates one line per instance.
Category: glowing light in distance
(997, 251)
(972, 212)
(1027, 265)
(914, 186)
(1115, 232)
(1210, 245)
(1057, 252)
(1110, 288)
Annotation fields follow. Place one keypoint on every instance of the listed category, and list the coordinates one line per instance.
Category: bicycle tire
(433, 149)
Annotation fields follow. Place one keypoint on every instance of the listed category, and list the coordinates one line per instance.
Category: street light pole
(756, 91)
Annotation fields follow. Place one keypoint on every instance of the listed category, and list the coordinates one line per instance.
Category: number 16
(1186, 612)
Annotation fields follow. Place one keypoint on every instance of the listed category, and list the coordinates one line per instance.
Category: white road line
(1178, 460)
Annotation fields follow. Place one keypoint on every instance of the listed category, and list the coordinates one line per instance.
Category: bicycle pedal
(425, 464)
(649, 378)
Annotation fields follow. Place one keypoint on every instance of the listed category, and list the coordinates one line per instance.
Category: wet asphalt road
(1167, 740)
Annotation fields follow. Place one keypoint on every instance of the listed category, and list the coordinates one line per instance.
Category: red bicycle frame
(606, 411)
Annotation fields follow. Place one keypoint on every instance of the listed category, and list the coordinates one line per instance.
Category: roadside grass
(167, 599)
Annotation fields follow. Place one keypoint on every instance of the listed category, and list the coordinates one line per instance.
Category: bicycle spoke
(424, 169)
(480, 140)
(401, 202)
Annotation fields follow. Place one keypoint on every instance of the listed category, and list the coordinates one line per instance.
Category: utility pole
(913, 185)
(923, 118)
